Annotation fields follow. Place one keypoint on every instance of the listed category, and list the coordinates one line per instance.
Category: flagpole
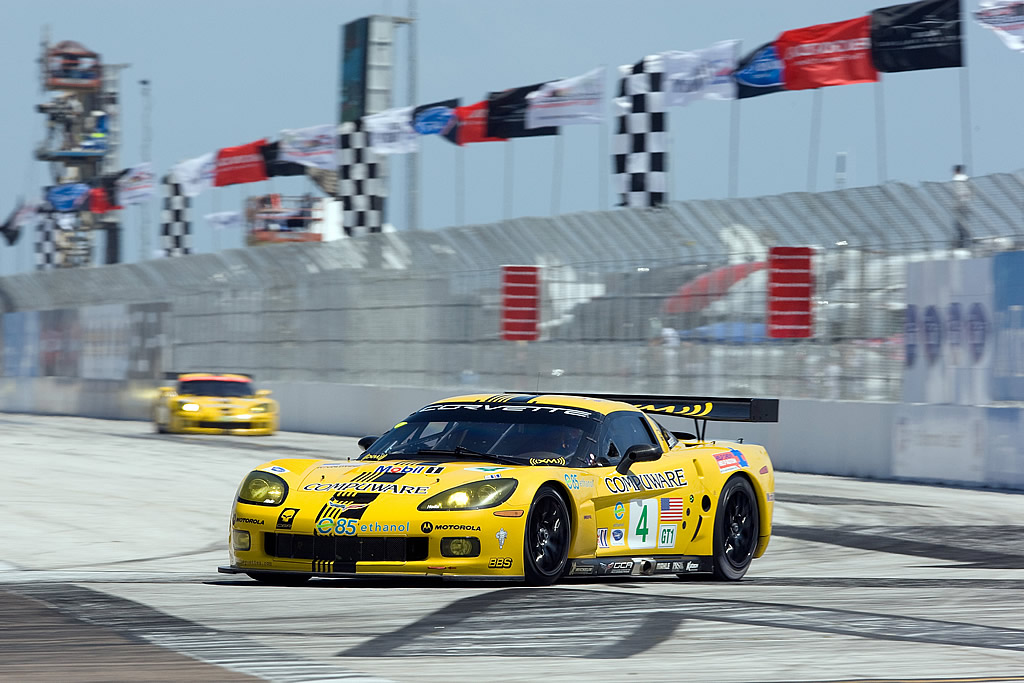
(734, 148)
(965, 119)
(883, 171)
(812, 160)
(460, 185)
(556, 181)
(602, 148)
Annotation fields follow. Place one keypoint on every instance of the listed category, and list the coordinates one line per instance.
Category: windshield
(528, 435)
(215, 387)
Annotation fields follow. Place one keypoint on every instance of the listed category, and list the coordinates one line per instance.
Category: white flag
(195, 175)
(225, 219)
(568, 101)
(137, 185)
(1006, 18)
(701, 74)
(391, 131)
(316, 146)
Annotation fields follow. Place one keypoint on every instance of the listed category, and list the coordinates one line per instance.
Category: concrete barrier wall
(963, 445)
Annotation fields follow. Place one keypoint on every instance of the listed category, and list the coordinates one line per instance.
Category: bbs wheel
(736, 529)
(546, 545)
(274, 579)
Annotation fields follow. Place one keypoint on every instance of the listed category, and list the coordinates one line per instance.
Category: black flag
(9, 229)
(917, 35)
(506, 114)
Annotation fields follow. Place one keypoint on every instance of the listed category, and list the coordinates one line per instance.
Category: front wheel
(546, 545)
(274, 579)
(736, 529)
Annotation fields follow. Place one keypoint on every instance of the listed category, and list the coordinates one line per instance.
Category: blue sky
(225, 72)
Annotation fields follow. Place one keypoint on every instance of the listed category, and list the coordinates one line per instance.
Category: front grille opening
(345, 549)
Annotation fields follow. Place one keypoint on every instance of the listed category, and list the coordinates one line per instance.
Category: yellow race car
(518, 486)
(208, 403)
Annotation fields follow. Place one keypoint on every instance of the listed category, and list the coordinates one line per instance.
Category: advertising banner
(241, 164)
(391, 131)
(137, 185)
(315, 146)
(506, 114)
(195, 175)
(520, 303)
(567, 102)
(1006, 18)
(67, 197)
(949, 350)
(916, 35)
(759, 72)
(701, 74)
(438, 118)
(827, 54)
(473, 124)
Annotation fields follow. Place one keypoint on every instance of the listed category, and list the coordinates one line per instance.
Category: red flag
(473, 123)
(99, 202)
(242, 164)
(827, 54)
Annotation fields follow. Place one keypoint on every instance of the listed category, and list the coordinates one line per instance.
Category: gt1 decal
(285, 519)
(500, 563)
(409, 469)
(350, 527)
(366, 487)
(507, 408)
(501, 536)
(666, 535)
(669, 479)
(643, 519)
(602, 538)
(620, 511)
(728, 462)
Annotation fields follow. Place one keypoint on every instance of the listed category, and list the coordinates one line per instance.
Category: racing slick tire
(736, 529)
(275, 579)
(546, 543)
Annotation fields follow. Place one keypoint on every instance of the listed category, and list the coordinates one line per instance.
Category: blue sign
(764, 70)
(910, 335)
(434, 121)
(66, 197)
(932, 333)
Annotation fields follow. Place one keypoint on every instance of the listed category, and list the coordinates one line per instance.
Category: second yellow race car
(518, 486)
(210, 403)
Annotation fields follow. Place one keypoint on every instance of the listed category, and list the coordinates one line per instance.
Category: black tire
(546, 543)
(274, 579)
(159, 428)
(737, 525)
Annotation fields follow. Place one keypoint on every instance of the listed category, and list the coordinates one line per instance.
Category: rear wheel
(546, 546)
(274, 579)
(160, 429)
(736, 529)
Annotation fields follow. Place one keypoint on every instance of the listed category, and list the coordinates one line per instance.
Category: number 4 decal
(643, 523)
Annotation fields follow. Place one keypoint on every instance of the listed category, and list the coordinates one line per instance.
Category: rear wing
(174, 375)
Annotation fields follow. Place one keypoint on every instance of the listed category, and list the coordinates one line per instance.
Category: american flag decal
(671, 510)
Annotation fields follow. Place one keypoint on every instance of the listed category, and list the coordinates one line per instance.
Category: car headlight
(188, 407)
(476, 495)
(261, 408)
(263, 488)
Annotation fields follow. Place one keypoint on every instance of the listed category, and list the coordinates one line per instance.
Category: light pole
(147, 110)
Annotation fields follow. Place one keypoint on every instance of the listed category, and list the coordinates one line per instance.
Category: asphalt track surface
(110, 537)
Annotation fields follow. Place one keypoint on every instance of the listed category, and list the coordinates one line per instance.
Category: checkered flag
(47, 254)
(359, 181)
(174, 225)
(641, 141)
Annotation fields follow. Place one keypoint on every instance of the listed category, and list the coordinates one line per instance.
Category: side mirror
(263, 392)
(640, 452)
(366, 442)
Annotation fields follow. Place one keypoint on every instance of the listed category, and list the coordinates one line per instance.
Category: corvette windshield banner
(241, 164)
(759, 73)
(827, 54)
(391, 131)
(137, 185)
(701, 74)
(567, 102)
(917, 35)
(506, 114)
(1006, 18)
